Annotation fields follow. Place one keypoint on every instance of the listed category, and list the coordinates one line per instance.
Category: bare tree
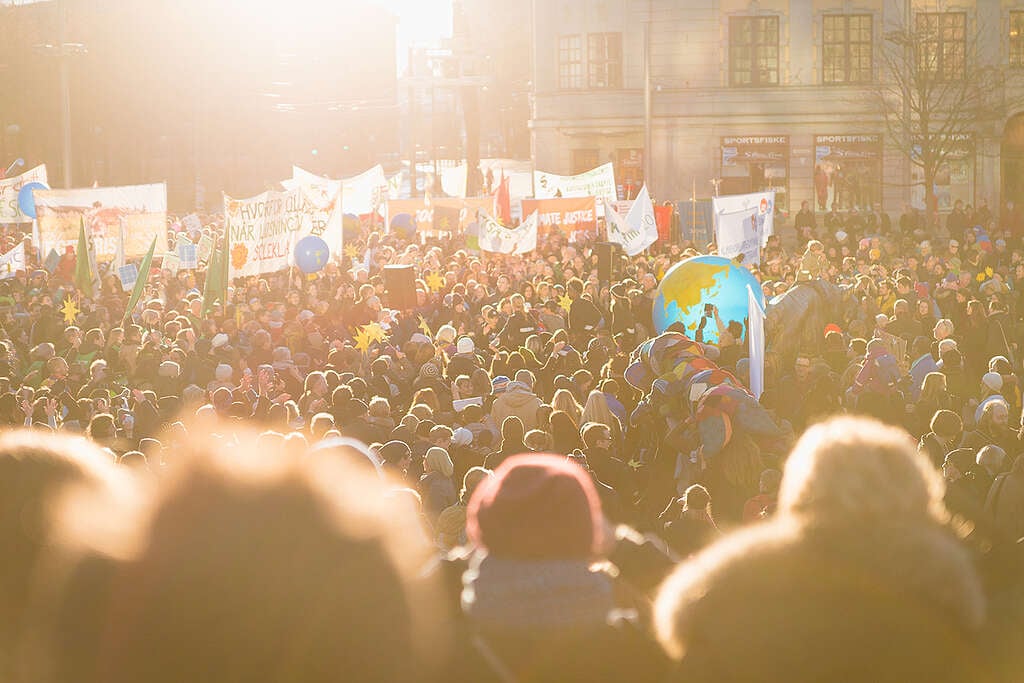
(935, 90)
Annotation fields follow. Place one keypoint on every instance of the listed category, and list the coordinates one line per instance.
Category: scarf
(517, 595)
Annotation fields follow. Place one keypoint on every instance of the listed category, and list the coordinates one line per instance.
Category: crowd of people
(296, 478)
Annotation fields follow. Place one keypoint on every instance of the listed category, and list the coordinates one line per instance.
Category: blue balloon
(26, 202)
(311, 254)
(404, 224)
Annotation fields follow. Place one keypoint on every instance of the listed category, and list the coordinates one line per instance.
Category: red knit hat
(536, 507)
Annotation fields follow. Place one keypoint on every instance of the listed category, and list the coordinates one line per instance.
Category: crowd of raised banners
(122, 222)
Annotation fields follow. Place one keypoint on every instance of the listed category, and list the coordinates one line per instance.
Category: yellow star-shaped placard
(564, 302)
(435, 282)
(425, 328)
(375, 332)
(351, 251)
(362, 340)
(70, 311)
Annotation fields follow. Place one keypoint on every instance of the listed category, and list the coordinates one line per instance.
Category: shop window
(753, 51)
(604, 60)
(942, 44)
(847, 48)
(570, 62)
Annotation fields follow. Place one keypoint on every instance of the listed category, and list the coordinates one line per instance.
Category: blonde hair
(438, 460)
(564, 400)
(859, 468)
(597, 410)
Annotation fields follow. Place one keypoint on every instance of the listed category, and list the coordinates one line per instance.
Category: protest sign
(263, 230)
(598, 182)
(141, 209)
(637, 230)
(172, 264)
(188, 256)
(10, 212)
(569, 214)
(495, 237)
(128, 275)
(423, 212)
(12, 261)
(205, 248)
(743, 223)
(360, 195)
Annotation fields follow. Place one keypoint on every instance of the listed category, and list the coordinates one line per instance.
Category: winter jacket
(519, 402)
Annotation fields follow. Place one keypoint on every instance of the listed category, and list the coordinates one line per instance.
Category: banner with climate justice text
(496, 238)
(570, 215)
(141, 209)
(743, 223)
(263, 230)
(360, 195)
(10, 210)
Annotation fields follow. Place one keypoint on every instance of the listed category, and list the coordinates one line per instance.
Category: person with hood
(518, 400)
(992, 428)
(875, 385)
(533, 607)
(436, 487)
(860, 527)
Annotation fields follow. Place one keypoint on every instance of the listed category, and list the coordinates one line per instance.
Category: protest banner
(598, 182)
(12, 261)
(263, 230)
(205, 248)
(171, 263)
(360, 195)
(128, 275)
(568, 214)
(637, 230)
(141, 209)
(495, 237)
(755, 343)
(743, 224)
(188, 257)
(423, 212)
(10, 211)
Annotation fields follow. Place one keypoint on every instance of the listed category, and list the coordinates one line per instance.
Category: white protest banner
(12, 261)
(756, 343)
(263, 230)
(10, 211)
(171, 263)
(360, 195)
(205, 248)
(598, 182)
(743, 224)
(495, 237)
(638, 230)
(188, 257)
(140, 209)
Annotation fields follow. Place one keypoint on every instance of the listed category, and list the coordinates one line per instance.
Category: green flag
(83, 272)
(140, 284)
(216, 276)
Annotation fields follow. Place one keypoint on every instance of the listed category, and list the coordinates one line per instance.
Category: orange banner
(424, 214)
(568, 214)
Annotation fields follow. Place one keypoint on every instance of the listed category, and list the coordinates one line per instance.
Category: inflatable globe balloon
(27, 202)
(311, 254)
(688, 286)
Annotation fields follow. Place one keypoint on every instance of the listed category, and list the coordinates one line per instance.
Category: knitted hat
(946, 344)
(446, 334)
(536, 507)
(465, 345)
(429, 371)
(498, 384)
(462, 437)
(993, 380)
(219, 340)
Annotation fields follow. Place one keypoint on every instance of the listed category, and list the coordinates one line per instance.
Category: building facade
(765, 94)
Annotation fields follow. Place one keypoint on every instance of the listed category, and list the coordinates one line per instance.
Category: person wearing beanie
(436, 487)
(991, 390)
(860, 527)
(534, 608)
(465, 361)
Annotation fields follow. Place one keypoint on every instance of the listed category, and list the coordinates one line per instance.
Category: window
(570, 62)
(604, 60)
(846, 48)
(1017, 39)
(942, 44)
(754, 51)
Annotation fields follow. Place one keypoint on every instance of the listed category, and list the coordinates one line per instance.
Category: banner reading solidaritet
(140, 209)
(598, 182)
(263, 230)
(569, 215)
(10, 211)
(743, 224)
(495, 237)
